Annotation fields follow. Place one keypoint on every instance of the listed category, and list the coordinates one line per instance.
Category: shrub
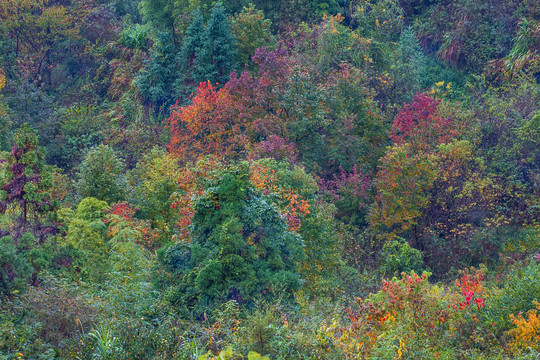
(520, 290)
(398, 256)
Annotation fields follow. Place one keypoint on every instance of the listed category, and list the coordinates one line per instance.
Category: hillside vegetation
(288, 179)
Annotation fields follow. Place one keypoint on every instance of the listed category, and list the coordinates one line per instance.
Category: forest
(269, 180)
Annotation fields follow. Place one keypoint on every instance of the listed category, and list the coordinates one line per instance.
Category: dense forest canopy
(288, 179)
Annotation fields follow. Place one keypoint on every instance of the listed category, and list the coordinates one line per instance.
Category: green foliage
(134, 36)
(14, 267)
(152, 183)
(108, 239)
(268, 259)
(215, 58)
(44, 322)
(410, 67)
(380, 20)
(398, 256)
(269, 336)
(87, 233)
(156, 80)
(21, 338)
(80, 129)
(517, 294)
(6, 125)
(91, 209)
(229, 354)
(161, 13)
(252, 31)
(101, 175)
(482, 31)
(240, 248)
(105, 344)
(191, 46)
(527, 147)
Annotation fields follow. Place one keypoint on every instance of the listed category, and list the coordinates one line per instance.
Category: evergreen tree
(215, 59)
(156, 80)
(26, 185)
(185, 85)
(410, 67)
(240, 249)
(14, 267)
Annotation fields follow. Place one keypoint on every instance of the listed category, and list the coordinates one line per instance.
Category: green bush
(135, 36)
(398, 256)
(520, 289)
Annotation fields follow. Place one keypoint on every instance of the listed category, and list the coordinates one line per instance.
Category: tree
(161, 13)
(252, 31)
(215, 59)
(14, 267)
(100, 175)
(427, 122)
(25, 185)
(152, 183)
(156, 81)
(36, 28)
(409, 68)
(403, 182)
(240, 247)
(87, 233)
(207, 126)
(186, 84)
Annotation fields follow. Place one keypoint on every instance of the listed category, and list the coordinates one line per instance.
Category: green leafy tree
(398, 256)
(87, 235)
(162, 13)
(252, 31)
(100, 175)
(79, 130)
(152, 183)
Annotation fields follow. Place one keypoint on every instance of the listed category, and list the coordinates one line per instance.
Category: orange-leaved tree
(207, 126)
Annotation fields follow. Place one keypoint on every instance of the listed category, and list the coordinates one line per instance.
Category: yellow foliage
(2, 79)
(526, 334)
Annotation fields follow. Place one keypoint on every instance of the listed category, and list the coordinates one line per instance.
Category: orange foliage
(191, 181)
(293, 206)
(207, 126)
(526, 334)
(121, 217)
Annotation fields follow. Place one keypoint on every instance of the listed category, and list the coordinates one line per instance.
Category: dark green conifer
(156, 80)
(191, 46)
(215, 59)
(241, 248)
